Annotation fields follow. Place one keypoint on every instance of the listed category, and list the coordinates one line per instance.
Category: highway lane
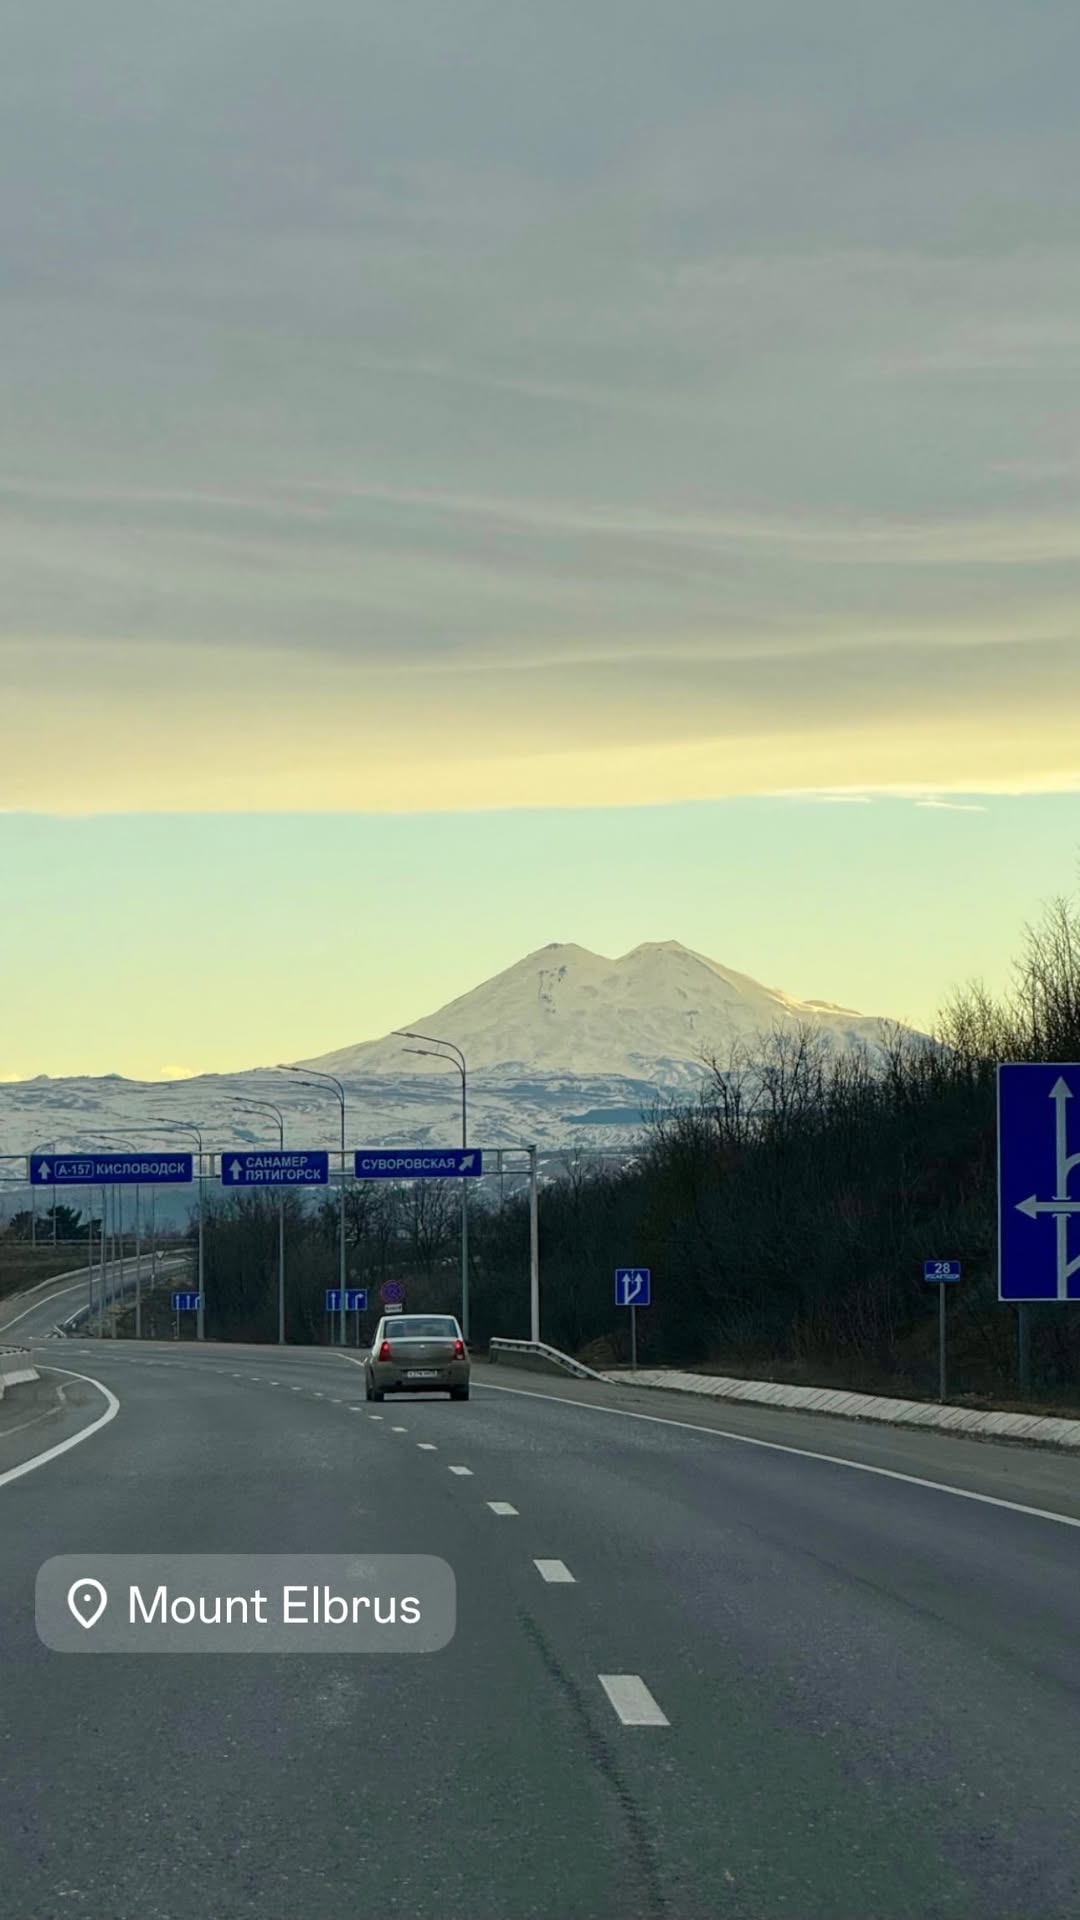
(866, 1689)
(33, 1315)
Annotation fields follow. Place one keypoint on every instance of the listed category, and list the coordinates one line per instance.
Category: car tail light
(384, 1350)
(459, 1349)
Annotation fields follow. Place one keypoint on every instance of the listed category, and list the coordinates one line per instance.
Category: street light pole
(125, 1142)
(458, 1061)
(534, 1250)
(316, 1074)
(248, 1105)
(189, 1126)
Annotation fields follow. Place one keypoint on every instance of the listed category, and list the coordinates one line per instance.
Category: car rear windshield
(433, 1329)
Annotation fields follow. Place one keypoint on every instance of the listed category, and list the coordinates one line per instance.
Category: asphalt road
(863, 1690)
(33, 1315)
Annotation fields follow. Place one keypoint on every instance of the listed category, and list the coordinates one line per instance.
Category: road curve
(693, 1676)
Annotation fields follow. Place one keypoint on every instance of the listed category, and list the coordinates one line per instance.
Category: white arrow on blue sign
(355, 1299)
(185, 1303)
(414, 1163)
(278, 1167)
(633, 1287)
(1038, 1181)
(111, 1170)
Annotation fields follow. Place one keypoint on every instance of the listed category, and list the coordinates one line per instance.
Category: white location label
(88, 1600)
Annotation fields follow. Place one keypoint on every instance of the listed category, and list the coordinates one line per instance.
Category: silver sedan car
(417, 1353)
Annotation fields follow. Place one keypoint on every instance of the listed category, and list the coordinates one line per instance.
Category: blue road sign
(278, 1167)
(633, 1287)
(355, 1299)
(391, 1292)
(419, 1163)
(185, 1303)
(1038, 1186)
(111, 1170)
(941, 1270)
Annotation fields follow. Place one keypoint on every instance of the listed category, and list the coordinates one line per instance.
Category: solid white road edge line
(632, 1700)
(63, 1446)
(803, 1453)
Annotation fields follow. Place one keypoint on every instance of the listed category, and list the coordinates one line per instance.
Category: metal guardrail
(539, 1355)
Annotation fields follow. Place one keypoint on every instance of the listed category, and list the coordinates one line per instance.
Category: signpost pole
(464, 1216)
(633, 1338)
(1023, 1348)
(200, 1321)
(104, 1243)
(90, 1261)
(941, 1343)
(534, 1250)
(138, 1271)
(117, 1297)
(344, 1338)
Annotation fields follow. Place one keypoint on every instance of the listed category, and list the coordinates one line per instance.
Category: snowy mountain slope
(566, 1048)
(653, 1013)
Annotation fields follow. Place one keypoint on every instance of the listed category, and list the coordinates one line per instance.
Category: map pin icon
(88, 1601)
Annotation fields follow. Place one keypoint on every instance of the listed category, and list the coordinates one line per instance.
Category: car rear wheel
(373, 1393)
(459, 1393)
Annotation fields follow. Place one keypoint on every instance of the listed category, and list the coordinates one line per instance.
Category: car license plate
(421, 1373)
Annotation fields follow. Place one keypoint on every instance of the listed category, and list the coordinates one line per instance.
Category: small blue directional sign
(419, 1163)
(1038, 1182)
(111, 1170)
(355, 1299)
(185, 1303)
(275, 1168)
(941, 1270)
(633, 1287)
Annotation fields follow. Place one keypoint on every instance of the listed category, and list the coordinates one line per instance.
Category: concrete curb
(16, 1369)
(1035, 1429)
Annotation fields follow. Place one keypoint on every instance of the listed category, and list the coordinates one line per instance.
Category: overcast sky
(424, 405)
(453, 407)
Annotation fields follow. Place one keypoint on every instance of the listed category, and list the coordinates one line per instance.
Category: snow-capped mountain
(653, 1015)
(565, 1049)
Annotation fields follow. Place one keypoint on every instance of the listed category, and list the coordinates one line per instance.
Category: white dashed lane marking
(501, 1507)
(399, 1429)
(556, 1572)
(632, 1700)
(467, 1470)
(427, 1446)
